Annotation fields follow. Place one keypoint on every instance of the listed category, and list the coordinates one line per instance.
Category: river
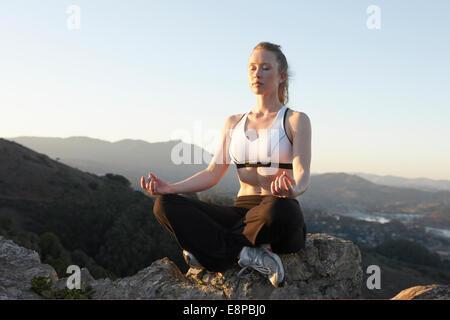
(387, 217)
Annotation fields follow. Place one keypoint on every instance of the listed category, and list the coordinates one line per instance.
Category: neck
(266, 104)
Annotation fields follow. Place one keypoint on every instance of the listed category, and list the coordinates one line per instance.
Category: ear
(283, 77)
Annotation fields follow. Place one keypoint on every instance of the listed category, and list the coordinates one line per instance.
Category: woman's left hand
(284, 186)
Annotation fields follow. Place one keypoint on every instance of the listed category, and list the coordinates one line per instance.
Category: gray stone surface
(328, 267)
(18, 266)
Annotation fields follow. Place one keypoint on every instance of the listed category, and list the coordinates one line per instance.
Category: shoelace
(258, 266)
(262, 269)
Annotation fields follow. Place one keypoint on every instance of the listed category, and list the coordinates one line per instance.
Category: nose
(258, 72)
(256, 76)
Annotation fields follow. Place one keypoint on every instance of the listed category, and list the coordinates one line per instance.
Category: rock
(432, 291)
(18, 266)
(85, 277)
(162, 280)
(328, 267)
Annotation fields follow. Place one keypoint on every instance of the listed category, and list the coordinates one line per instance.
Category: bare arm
(302, 153)
(200, 181)
(285, 185)
(220, 162)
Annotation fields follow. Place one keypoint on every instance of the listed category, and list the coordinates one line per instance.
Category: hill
(424, 184)
(130, 158)
(68, 215)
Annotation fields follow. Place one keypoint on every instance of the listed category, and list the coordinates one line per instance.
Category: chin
(256, 91)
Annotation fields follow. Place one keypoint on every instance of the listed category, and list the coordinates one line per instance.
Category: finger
(290, 184)
(151, 176)
(289, 177)
(142, 182)
(287, 185)
(276, 191)
(152, 186)
(284, 190)
(292, 189)
(275, 185)
(279, 183)
(272, 187)
(149, 179)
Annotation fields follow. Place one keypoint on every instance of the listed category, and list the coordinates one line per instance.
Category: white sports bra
(271, 149)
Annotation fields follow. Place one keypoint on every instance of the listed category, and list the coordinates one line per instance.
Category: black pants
(215, 234)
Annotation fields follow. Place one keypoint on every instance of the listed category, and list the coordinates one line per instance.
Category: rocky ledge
(328, 267)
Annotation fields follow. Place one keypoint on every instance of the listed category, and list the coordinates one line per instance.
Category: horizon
(371, 76)
(312, 173)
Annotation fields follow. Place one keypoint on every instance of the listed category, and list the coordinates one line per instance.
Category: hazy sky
(378, 99)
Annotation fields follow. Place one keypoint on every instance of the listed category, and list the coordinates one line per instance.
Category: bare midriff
(252, 182)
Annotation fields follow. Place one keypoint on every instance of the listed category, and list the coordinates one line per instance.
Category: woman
(271, 146)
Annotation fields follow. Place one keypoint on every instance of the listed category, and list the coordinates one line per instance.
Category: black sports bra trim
(284, 126)
(239, 121)
(260, 164)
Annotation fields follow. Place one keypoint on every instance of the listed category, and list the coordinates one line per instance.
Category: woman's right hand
(156, 186)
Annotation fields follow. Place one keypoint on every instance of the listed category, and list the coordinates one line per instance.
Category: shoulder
(232, 120)
(297, 120)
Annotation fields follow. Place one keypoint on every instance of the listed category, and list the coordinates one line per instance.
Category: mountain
(342, 192)
(130, 158)
(424, 184)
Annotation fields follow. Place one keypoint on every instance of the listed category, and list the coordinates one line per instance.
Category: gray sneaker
(191, 260)
(262, 260)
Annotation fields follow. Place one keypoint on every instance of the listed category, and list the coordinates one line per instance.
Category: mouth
(257, 84)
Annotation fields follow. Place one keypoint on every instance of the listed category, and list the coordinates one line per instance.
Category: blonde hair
(283, 88)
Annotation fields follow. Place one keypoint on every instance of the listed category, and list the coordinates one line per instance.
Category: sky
(375, 84)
